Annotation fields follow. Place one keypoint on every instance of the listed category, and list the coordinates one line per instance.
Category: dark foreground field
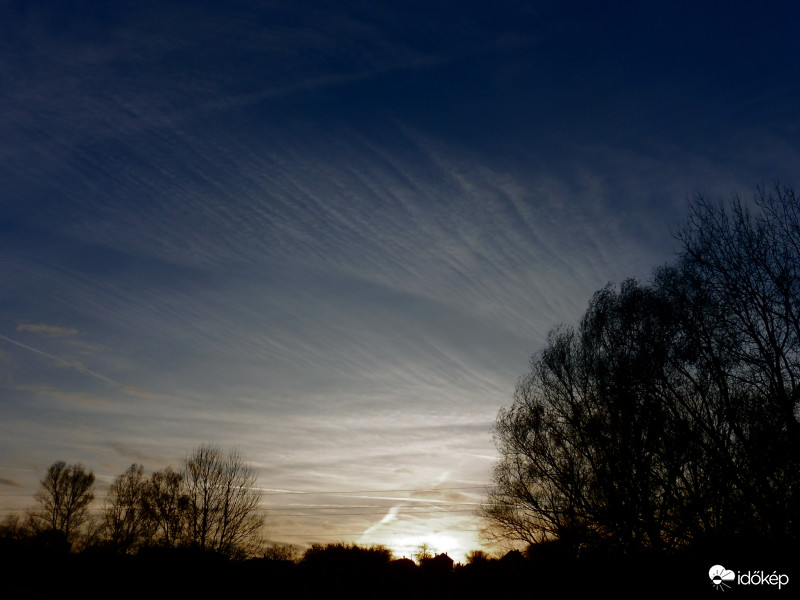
(40, 572)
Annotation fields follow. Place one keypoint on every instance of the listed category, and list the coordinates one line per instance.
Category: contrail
(388, 518)
(61, 361)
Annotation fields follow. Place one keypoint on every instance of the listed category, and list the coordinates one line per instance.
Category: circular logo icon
(719, 576)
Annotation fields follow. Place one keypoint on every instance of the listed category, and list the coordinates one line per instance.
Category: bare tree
(166, 505)
(282, 552)
(584, 446)
(17, 527)
(126, 520)
(477, 557)
(673, 411)
(739, 294)
(223, 501)
(65, 496)
(423, 552)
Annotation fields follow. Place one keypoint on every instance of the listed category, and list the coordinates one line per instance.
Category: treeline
(351, 571)
(669, 418)
(210, 504)
(196, 532)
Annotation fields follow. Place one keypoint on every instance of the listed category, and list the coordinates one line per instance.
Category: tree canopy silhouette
(670, 413)
(222, 501)
(211, 505)
(64, 497)
(127, 523)
(166, 505)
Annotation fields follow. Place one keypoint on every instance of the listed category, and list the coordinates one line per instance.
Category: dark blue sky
(332, 234)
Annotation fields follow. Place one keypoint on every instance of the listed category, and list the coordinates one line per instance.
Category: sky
(332, 234)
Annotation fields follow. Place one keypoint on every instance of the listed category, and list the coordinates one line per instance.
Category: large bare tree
(585, 454)
(738, 290)
(672, 412)
(64, 498)
(223, 501)
(127, 522)
(166, 504)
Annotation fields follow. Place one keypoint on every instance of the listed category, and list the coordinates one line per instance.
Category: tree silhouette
(127, 521)
(423, 552)
(166, 505)
(477, 557)
(671, 412)
(585, 455)
(222, 501)
(737, 289)
(64, 497)
(341, 569)
(282, 553)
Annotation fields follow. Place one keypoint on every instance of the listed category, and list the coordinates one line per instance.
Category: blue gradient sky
(332, 234)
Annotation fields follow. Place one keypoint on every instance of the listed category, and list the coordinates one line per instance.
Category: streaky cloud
(47, 330)
(62, 362)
